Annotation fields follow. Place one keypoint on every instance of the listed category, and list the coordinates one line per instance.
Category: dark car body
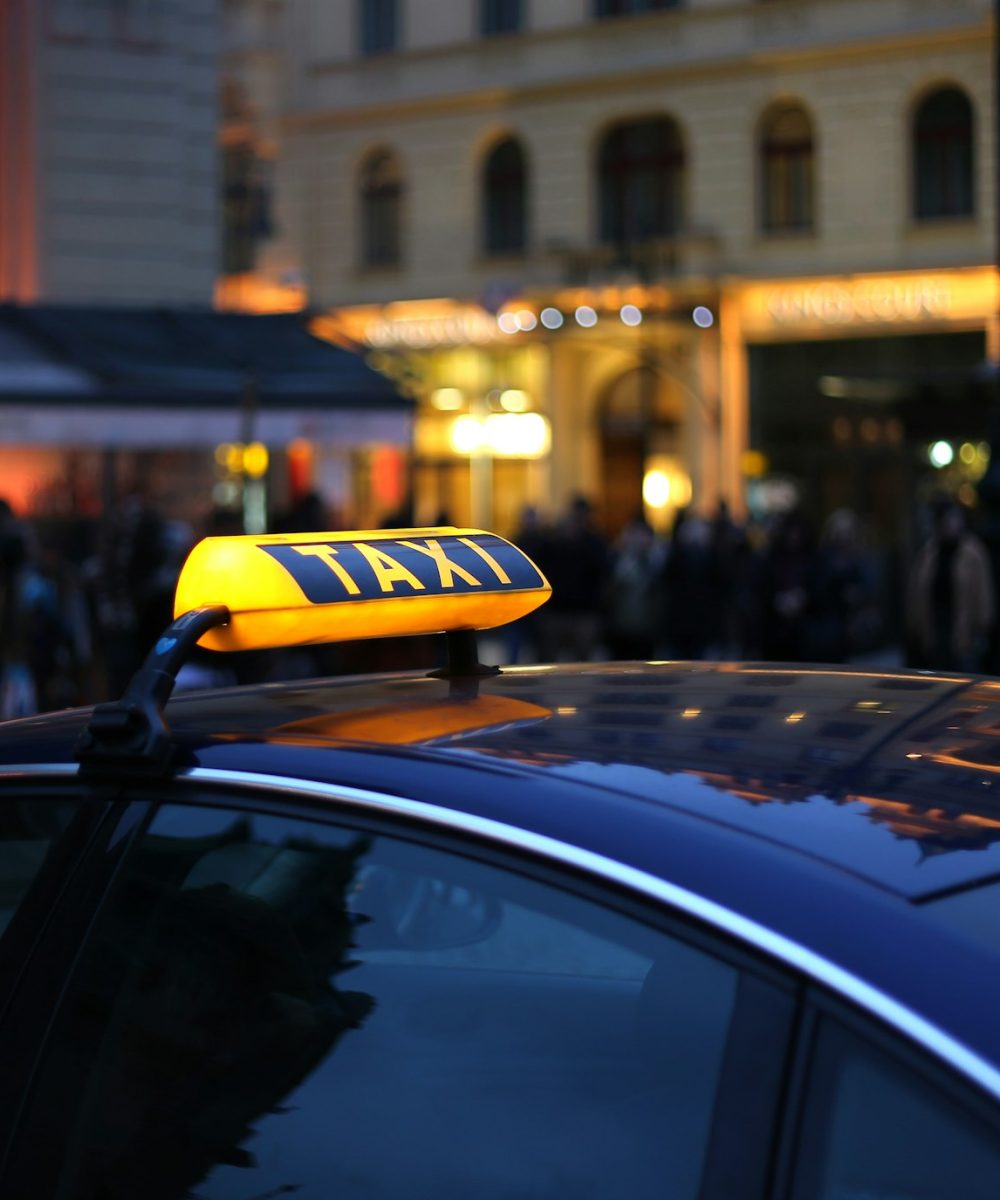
(833, 836)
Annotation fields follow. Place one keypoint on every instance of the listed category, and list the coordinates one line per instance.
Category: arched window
(942, 155)
(381, 205)
(505, 199)
(499, 16)
(641, 171)
(787, 156)
(378, 26)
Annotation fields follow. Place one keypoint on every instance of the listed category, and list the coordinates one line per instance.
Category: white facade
(444, 97)
(110, 140)
(858, 67)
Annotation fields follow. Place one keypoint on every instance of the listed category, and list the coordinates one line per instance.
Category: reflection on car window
(876, 1129)
(267, 1009)
(27, 830)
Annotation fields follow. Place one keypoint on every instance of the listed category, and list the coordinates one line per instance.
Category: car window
(28, 828)
(265, 1009)
(873, 1127)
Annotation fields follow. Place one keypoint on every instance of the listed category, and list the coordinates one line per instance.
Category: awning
(86, 376)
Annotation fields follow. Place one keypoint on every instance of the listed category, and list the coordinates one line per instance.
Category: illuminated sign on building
(451, 329)
(866, 300)
(804, 306)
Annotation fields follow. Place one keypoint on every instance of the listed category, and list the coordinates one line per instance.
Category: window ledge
(377, 270)
(785, 237)
(646, 14)
(917, 227)
(502, 258)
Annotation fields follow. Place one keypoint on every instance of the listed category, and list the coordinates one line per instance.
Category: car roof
(833, 806)
(890, 776)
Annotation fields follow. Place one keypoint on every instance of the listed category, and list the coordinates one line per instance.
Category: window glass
(273, 1007)
(28, 828)
(787, 170)
(640, 168)
(499, 16)
(942, 155)
(378, 26)
(381, 205)
(504, 176)
(876, 1128)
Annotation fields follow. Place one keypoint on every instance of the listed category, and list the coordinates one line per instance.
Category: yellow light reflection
(656, 489)
(952, 760)
(690, 713)
(255, 460)
(517, 435)
(754, 464)
(466, 435)
(514, 400)
(822, 674)
(447, 399)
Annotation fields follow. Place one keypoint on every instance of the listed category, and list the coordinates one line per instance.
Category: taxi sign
(304, 588)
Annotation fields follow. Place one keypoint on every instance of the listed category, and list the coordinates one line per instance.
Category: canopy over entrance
(159, 377)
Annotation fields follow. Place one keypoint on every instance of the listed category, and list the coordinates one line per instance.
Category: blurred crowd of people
(80, 606)
(713, 588)
(775, 590)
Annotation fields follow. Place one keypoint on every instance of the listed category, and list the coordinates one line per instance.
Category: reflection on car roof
(890, 776)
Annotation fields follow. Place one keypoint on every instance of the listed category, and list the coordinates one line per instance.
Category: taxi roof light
(303, 589)
(267, 591)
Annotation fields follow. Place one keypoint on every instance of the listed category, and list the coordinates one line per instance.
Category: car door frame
(49, 928)
(822, 1010)
(767, 997)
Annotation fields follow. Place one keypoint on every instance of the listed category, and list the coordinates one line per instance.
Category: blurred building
(107, 151)
(115, 374)
(643, 250)
(108, 119)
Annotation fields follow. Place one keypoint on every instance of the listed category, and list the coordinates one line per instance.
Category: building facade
(653, 253)
(108, 151)
(108, 197)
(112, 189)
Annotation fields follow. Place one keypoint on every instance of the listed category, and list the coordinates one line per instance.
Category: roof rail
(132, 733)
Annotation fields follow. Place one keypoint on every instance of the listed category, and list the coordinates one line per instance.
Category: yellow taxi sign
(305, 588)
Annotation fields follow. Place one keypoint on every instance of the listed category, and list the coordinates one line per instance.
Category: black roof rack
(132, 732)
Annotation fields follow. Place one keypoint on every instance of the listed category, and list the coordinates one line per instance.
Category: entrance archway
(640, 419)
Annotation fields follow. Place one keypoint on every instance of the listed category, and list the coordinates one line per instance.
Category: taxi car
(649, 930)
